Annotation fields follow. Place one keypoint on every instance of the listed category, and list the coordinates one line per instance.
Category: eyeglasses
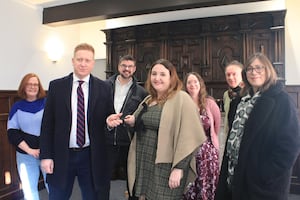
(32, 85)
(258, 69)
(126, 66)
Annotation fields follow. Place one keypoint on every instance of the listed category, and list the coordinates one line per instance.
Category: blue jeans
(29, 173)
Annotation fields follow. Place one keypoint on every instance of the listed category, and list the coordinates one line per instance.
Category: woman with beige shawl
(167, 133)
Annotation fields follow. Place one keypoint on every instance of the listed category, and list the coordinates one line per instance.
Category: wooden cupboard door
(118, 51)
(269, 43)
(9, 182)
(190, 55)
(225, 47)
(148, 52)
(261, 41)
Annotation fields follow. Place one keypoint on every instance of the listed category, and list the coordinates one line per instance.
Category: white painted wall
(23, 38)
(292, 42)
(92, 34)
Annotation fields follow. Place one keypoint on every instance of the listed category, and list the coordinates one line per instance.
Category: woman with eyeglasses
(264, 140)
(23, 129)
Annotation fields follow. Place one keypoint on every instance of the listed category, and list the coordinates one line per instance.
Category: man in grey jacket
(127, 95)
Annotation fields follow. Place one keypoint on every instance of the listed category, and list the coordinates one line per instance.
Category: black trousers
(117, 155)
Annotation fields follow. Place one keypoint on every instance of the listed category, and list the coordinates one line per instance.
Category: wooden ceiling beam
(107, 9)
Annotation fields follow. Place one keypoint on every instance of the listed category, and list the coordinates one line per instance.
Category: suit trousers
(79, 166)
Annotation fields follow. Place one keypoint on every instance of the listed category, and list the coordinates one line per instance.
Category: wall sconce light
(54, 49)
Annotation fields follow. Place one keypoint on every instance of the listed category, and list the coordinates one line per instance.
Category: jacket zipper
(122, 109)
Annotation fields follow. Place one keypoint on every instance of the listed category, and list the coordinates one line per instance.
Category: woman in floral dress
(207, 157)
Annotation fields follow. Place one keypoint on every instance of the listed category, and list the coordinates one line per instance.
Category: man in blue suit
(62, 157)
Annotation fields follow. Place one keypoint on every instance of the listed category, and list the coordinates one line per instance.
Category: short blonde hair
(84, 46)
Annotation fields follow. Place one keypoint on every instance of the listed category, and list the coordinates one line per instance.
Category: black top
(135, 95)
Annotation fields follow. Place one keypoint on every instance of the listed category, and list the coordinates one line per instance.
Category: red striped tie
(80, 116)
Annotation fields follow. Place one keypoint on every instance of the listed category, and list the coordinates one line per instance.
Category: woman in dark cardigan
(264, 140)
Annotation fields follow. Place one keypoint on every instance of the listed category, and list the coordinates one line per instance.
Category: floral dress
(207, 163)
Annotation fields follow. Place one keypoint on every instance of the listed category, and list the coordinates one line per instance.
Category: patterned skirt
(207, 163)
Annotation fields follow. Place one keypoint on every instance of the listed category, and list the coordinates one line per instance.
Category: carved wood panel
(9, 176)
(225, 48)
(119, 50)
(147, 54)
(260, 42)
(201, 45)
(9, 183)
(188, 55)
(294, 92)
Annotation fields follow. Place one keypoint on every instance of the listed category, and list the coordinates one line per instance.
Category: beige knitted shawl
(180, 134)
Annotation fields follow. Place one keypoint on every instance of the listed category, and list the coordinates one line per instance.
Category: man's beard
(126, 77)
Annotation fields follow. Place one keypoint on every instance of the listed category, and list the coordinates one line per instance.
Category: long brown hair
(175, 82)
(23, 83)
(202, 95)
(271, 75)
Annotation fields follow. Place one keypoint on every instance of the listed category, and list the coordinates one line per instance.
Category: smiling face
(256, 74)
(160, 79)
(193, 85)
(32, 89)
(233, 74)
(126, 69)
(83, 63)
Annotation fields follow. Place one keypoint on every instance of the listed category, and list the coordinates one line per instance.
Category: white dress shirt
(120, 94)
(85, 89)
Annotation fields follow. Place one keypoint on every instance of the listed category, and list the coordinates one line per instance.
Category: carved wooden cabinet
(203, 45)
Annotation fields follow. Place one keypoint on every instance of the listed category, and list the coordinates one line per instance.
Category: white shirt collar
(85, 79)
